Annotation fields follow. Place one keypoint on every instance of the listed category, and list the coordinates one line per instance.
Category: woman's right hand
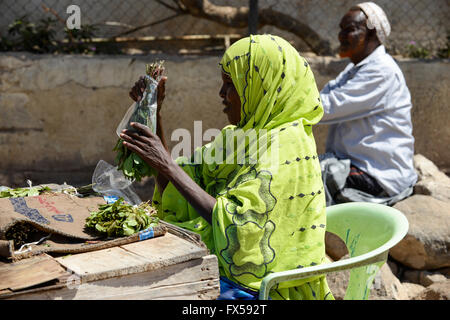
(137, 91)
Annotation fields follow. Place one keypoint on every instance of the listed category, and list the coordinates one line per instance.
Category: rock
(335, 246)
(432, 278)
(426, 246)
(396, 270)
(424, 278)
(437, 291)
(431, 180)
(385, 285)
(337, 282)
(412, 276)
(445, 272)
(433, 188)
(412, 289)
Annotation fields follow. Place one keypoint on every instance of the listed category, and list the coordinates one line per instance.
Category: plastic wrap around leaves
(143, 111)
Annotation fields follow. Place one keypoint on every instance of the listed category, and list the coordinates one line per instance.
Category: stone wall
(58, 114)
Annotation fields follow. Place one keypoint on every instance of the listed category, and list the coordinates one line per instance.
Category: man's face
(353, 34)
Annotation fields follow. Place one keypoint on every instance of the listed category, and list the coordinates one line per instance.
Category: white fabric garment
(368, 107)
(376, 18)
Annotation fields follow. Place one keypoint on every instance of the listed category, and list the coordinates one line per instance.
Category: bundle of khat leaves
(120, 219)
(23, 192)
(144, 112)
(132, 165)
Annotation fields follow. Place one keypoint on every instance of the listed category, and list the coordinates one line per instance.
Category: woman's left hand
(148, 146)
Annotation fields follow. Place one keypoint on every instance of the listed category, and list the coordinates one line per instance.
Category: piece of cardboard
(59, 213)
(63, 217)
(30, 272)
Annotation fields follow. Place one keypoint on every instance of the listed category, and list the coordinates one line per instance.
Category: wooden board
(166, 267)
(30, 272)
(132, 258)
(195, 279)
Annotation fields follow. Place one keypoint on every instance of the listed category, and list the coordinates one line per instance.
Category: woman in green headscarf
(255, 193)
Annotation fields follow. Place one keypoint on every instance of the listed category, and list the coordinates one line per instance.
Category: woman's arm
(150, 148)
(161, 180)
(160, 98)
(198, 198)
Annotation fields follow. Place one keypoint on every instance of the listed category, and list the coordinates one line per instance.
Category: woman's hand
(137, 91)
(148, 146)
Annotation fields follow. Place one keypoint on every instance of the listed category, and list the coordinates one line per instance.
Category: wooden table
(165, 267)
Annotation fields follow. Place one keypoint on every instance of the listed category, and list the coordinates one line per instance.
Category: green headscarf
(270, 210)
(276, 84)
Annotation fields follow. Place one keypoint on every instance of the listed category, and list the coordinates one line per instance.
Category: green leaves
(23, 192)
(122, 219)
(132, 165)
(128, 166)
(41, 37)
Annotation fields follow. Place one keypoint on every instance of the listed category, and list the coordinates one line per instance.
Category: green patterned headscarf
(270, 210)
(276, 84)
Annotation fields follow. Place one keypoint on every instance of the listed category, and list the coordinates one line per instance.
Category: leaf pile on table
(120, 218)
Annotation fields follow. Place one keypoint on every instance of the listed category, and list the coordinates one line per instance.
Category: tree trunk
(238, 18)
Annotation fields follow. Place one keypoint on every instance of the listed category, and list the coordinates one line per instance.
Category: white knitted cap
(376, 18)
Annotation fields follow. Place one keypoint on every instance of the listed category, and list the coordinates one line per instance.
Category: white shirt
(368, 107)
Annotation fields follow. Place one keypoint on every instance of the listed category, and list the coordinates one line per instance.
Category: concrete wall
(58, 114)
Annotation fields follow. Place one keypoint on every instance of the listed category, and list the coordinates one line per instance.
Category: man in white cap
(370, 145)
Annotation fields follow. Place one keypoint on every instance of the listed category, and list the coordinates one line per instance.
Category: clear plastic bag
(109, 181)
(143, 111)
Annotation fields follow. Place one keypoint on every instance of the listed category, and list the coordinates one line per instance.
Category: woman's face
(231, 100)
(352, 35)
